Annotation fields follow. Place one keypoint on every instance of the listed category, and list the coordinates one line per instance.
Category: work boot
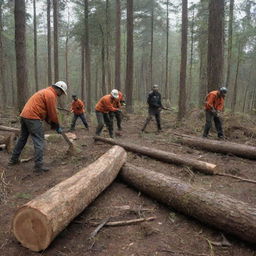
(13, 162)
(40, 168)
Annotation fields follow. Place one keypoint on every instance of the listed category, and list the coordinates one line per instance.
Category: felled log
(38, 222)
(218, 146)
(205, 167)
(8, 142)
(225, 213)
(9, 129)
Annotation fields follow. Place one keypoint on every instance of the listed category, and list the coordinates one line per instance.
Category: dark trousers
(118, 116)
(82, 117)
(104, 118)
(156, 114)
(208, 124)
(34, 128)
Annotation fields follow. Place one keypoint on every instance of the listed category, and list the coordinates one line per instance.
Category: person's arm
(210, 102)
(109, 106)
(52, 117)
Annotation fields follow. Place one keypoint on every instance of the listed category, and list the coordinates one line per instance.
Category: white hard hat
(114, 93)
(62, 85)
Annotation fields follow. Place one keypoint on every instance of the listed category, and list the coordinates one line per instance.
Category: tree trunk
(207, 168)
(225, 213)
(49, 43)
(230, 38)
(103, 73)
(118, 42)
(35, 46)
(219, 146)
(215, 44)
(183, 64)
(2, 82)
(234, 98)
(39, 221)
(82, 72)
(87, 56)
(129, 58)
(167, 54)
(151, 45)
(202, 45)
(56, 39)
(21, 57)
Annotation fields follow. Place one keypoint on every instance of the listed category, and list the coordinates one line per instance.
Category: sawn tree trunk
(207, 168)
(225, 213)
(38, 222)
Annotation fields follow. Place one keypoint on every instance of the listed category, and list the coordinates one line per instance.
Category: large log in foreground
(205, 167)
(39, 221)
(218, 146)
(225, 213)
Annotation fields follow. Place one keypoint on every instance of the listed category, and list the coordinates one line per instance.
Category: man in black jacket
(154, 107)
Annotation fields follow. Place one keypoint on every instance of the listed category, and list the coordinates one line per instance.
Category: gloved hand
(59, 130)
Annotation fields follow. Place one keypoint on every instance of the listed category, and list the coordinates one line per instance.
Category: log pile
(39, 221)
(225, 213)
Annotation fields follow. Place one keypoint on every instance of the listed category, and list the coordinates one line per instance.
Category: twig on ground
(128, 222)
(186, 253)
(236, 177)
(99, 227)
(210, 245)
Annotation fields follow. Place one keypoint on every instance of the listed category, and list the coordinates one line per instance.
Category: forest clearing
(170, 232)
(127, 127)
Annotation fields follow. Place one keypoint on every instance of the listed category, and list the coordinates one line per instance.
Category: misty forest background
(186, 47)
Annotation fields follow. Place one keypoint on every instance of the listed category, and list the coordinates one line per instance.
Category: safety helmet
(155, 86)
(62, 85)
(114, 93)
(223, 90)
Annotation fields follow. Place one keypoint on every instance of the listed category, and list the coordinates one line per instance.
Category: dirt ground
(171, 233)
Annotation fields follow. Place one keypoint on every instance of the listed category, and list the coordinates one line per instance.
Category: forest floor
(171, 233)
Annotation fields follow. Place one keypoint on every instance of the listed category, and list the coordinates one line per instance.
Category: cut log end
(31, 228)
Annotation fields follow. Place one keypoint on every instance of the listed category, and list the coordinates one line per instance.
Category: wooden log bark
(9, 129)
(218, 146)
(205, 167)
(38, 222)
(225, 213)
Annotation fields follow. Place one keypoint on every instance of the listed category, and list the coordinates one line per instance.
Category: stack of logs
(39, 221)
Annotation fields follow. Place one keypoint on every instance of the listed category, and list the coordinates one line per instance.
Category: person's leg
(35, 128)
(158, 121)
(100, 121)
(218, 125)
(73, 124)
(24, 133)
(109, 123)
(118, 115)
(82, 117)
(208, 123)
(147, 120)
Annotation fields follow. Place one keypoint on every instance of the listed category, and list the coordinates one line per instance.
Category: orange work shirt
(214, 100)
(77, 107)
(117, 102)
(105, 104)
(42, 106)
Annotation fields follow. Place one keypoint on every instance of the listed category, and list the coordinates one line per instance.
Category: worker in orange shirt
(41, 106)
(118, 103)
(102, 109)
(214, 104)
(77, 108)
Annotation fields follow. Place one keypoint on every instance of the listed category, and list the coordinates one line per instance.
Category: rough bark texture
(35, 45)
(220, 146)
(168, 157)
(129, 57)
(39, 221)
(225, 213)
(183, 63)
(56, 40)
(118, 50)
(215, 44)
(49, 44)
(21, 56)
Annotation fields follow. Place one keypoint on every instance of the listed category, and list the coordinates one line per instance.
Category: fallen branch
(236, 177)
(99, 227)
(128, 222)
(9, 129)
